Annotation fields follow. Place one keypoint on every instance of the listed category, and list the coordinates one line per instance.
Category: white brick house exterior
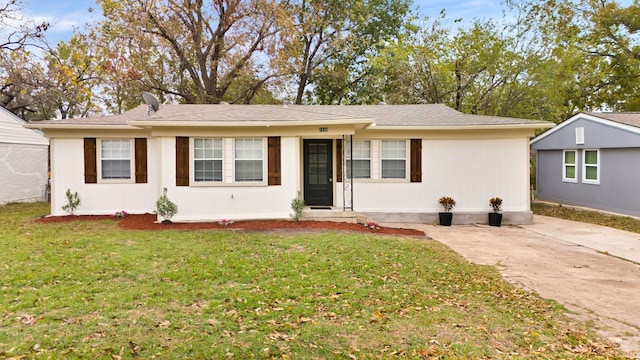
(23, 161)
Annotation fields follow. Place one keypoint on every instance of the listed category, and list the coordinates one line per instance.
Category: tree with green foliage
(595, 46)
(72, 73)
(332, 44)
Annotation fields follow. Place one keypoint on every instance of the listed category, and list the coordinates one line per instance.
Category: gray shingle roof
(627, 118)
(427, 115)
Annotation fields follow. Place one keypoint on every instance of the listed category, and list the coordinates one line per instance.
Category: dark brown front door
(318, 172)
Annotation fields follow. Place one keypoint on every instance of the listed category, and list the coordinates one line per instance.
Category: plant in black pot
(447, 203)
(495, 218)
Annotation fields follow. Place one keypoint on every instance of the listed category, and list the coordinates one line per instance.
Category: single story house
(591, 160)
(24, 155)
(389, 162)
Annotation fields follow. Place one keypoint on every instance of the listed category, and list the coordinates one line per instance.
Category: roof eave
(78, 126)
(466, 127)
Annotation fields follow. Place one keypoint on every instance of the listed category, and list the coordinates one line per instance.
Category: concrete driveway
(594, 271)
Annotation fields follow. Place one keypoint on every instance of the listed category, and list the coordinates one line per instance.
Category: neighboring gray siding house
(23, 161)
(591, 160)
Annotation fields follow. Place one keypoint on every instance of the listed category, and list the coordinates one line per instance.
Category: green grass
(92, 290)
(587, 216)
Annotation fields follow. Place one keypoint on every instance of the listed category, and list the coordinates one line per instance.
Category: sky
(65, 15)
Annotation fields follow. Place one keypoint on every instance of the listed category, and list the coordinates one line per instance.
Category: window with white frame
(207, 160)
(394, 159)
(569, 166)
(591, 167)
(115, 159)
(358, 159)
(249, 160)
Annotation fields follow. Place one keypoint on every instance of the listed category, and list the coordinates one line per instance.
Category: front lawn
(587, 216)
(88, 289)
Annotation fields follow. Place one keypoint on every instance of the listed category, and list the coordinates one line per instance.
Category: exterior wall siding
(13, 132)
(470, 171)
(233, 201)
(596, 135)
(67, 172)
(618, 190)
(23, 172)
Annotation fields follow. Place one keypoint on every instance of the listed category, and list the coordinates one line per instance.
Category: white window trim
(265, 156)
(370, 158)
(585, 165)
(228, 163)
(564, 166)
(132, 150)
(407, 165)
(192, 163)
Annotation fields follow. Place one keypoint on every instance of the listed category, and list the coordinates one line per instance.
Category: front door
(318, 172)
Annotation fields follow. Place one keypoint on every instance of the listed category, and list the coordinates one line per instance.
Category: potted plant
(495, 218)
(447, 203)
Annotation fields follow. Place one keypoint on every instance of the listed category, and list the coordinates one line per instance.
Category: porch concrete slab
(594, 271)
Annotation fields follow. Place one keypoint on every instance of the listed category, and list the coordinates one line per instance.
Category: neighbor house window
(358, 159)
(569, 166)
(207, 160)
(115, 159)
(394, 159)
(591, 167)
(249, 160)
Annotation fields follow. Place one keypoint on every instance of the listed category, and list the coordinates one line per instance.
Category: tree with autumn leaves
(553, 60)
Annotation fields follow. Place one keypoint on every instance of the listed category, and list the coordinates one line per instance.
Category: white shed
(23, 161)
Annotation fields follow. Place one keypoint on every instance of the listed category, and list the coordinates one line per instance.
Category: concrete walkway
(592, 270)
(618, 243)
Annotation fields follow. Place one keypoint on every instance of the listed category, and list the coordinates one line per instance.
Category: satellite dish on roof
(150, 100)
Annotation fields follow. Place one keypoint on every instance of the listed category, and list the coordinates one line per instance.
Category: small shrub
(121, 214)
(297, 204)
(165, 207)
(73, 201)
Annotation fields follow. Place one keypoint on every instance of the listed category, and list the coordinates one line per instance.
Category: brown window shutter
(182, 161)
(273, 165)
(90, 165)
(416, 160)
(141, 160)
(338, 160)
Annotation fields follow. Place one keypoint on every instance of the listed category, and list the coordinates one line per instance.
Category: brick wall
(23, 172)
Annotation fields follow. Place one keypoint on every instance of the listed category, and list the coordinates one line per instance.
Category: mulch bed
(148, 222)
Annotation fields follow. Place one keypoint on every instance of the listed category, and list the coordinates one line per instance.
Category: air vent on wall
(580, 136)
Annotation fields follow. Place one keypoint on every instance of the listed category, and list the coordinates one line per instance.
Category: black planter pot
(445, 218)
(495, 219)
